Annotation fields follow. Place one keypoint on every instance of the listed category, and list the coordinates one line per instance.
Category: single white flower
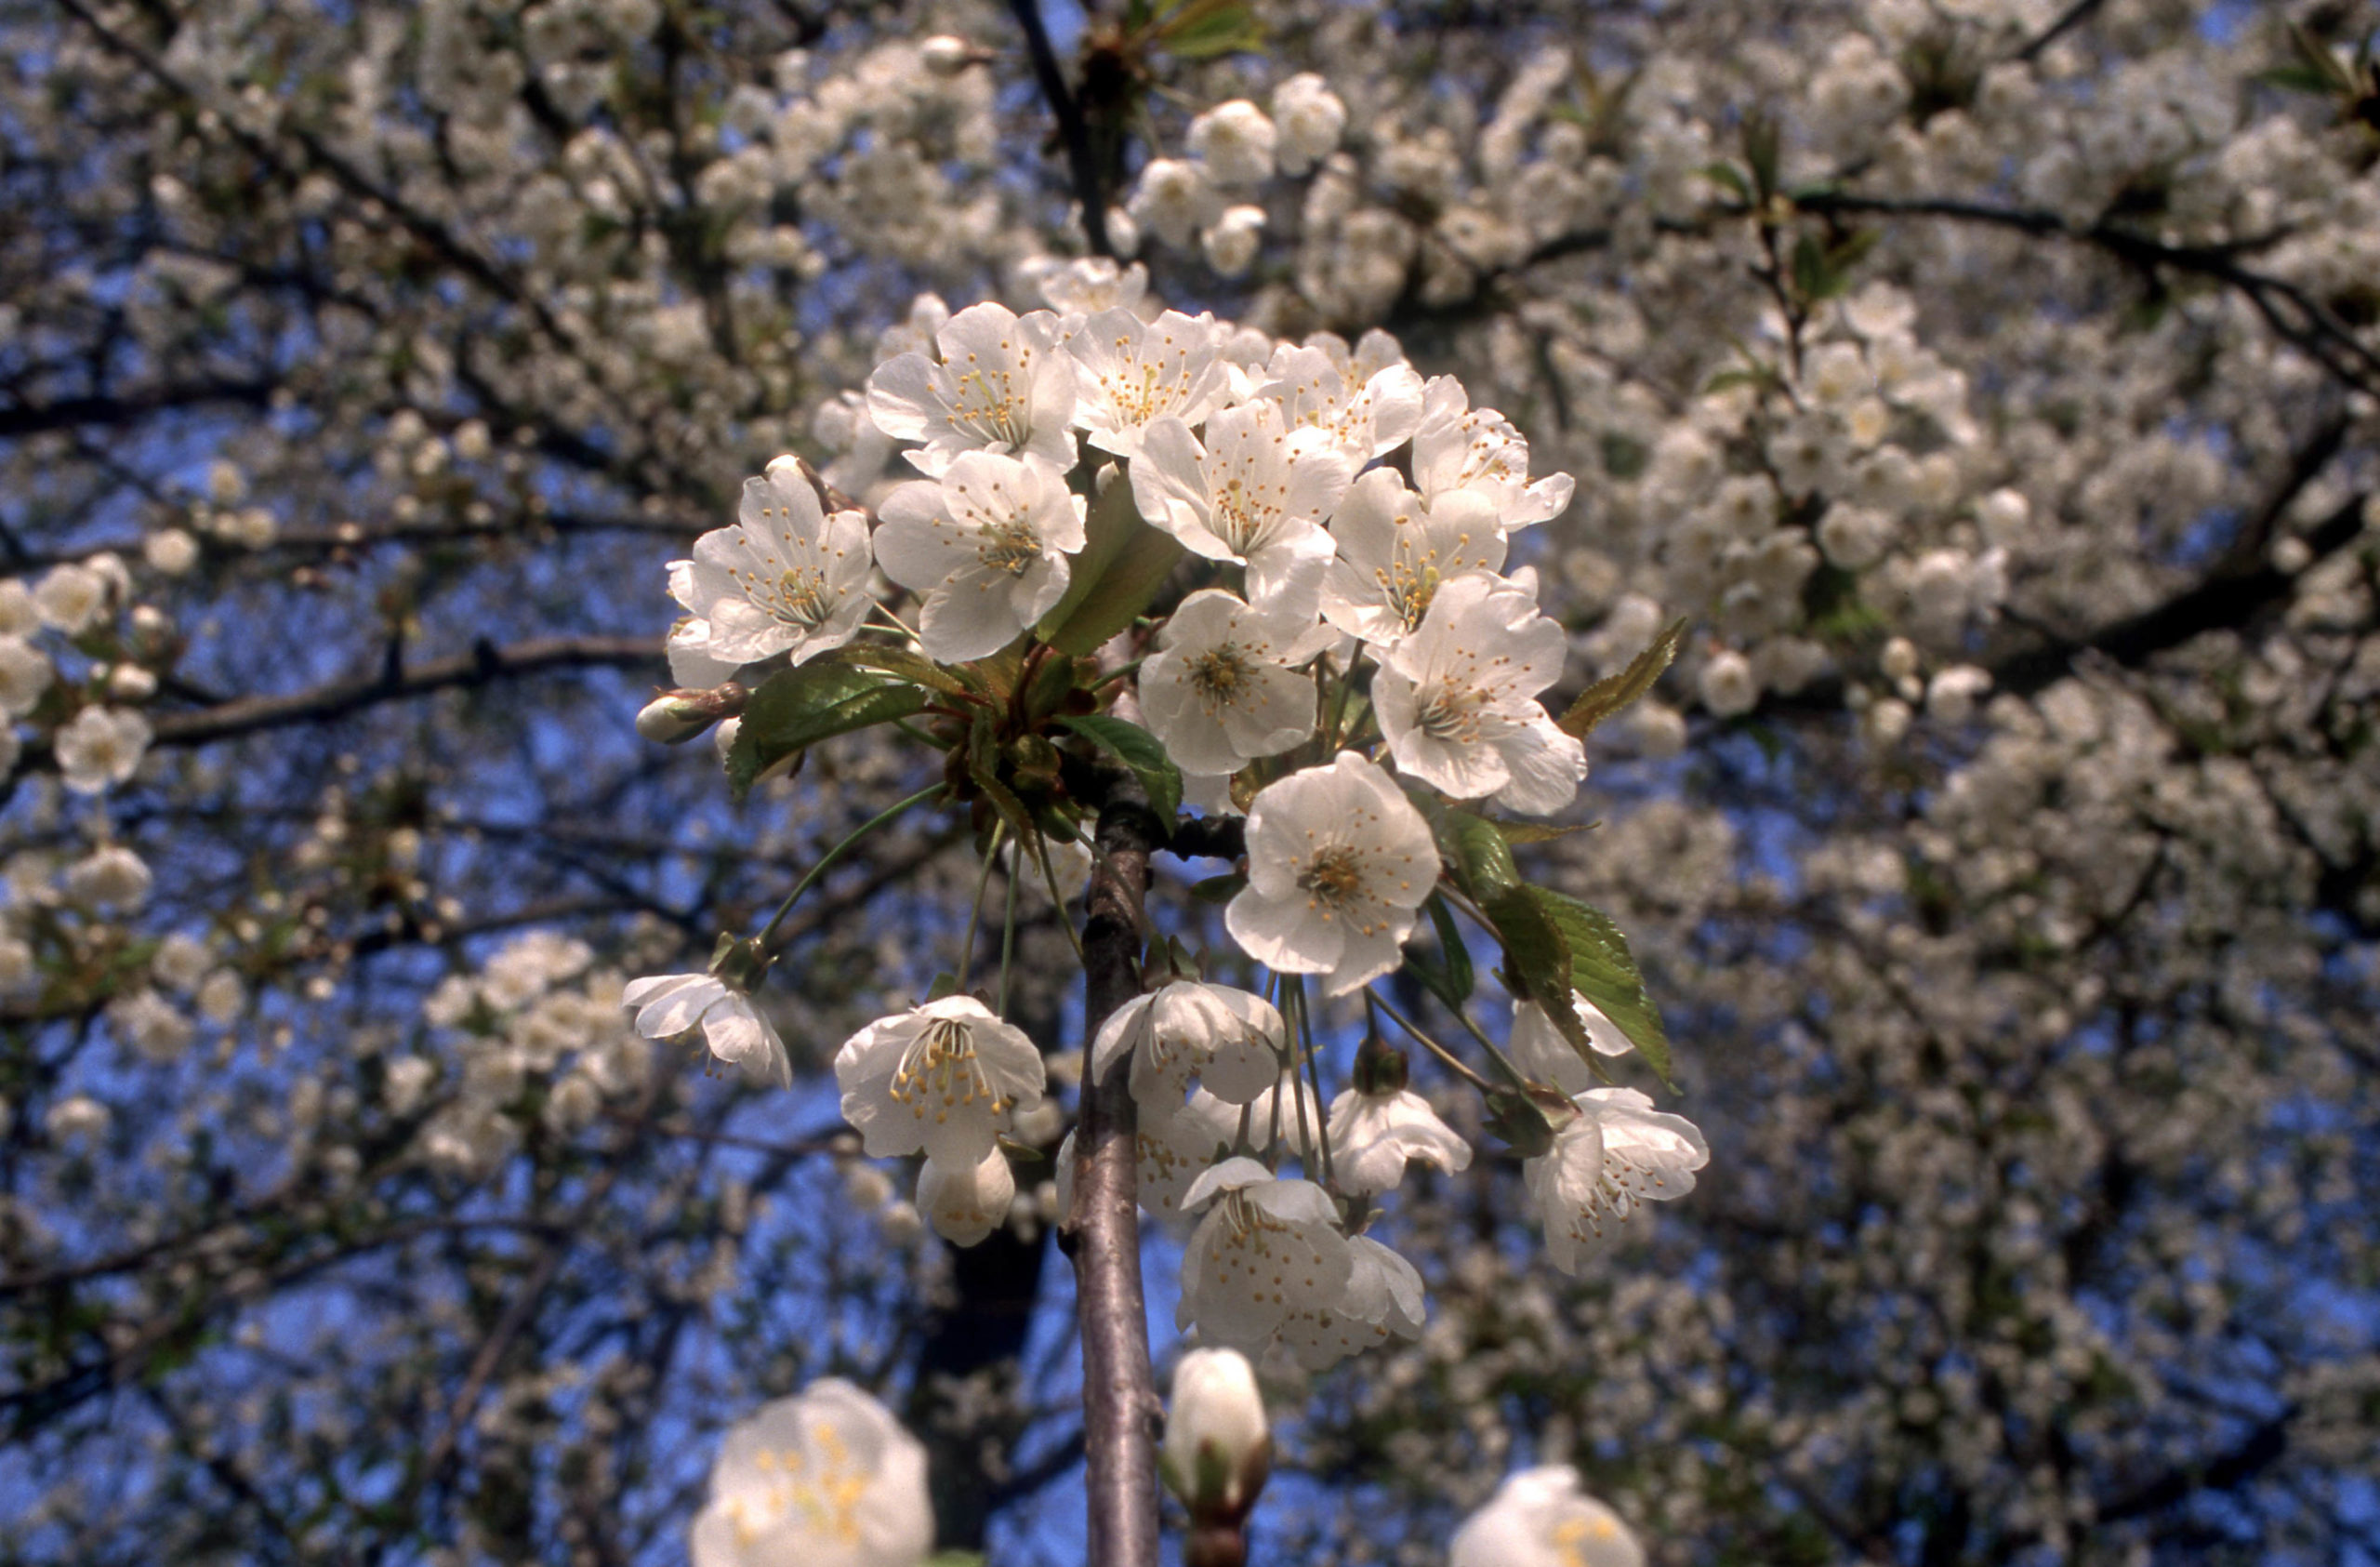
(170, 552)
(1266, 1248)
(1395, 549)
(1372, 1135)
(1002, 385)
(1234, 141)
(25, 673)
(787, 578)
(1217, 1447)
(940, 1079)
(1338, 862)
(987, 544)
(1231, 240)
(69, 597)
(1225, 685)
(1457, 448)
(1360, 402)
(1088, 285)
(1173, 1148)
(1244, 494)
(1129, 372)
(1174, 200)
(20, 617)
(1307, 119)
(77, 1118)
(109, 877)
(668, 1004)
(1230, 1039)
(102, 747)
(964, 1205)
(824, 1479)
(155, 1028)
(1541, 1518)
(1457, 698)
(1539, 1049)
(1383, 1296)
(1617, 1153)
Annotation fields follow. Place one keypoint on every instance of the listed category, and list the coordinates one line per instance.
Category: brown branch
(1121, 1408)
(1082, 159)
(2072, 17)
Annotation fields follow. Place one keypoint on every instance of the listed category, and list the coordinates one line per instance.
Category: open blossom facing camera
(824, 1479)
(987, 544)
(1338, 862)
(671, 1003)
(1457, 698)
(1396, 549)
(1541, 1518)
(1223, 686)
(1130, 372)
(1617, 1153)
(1362, 402)
(1383, 1298)
(788, 577)
(102, 748)
(940, 1079)
(1243, 494)
(1003, 386)
(1457, 447)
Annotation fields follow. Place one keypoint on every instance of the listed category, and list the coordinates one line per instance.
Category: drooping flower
(1129, 372)
(1173, 1148)
(1338, 862)
(1003, 385)
(1458, 447)
(1383, 1298)
(1244, 495)
(964, 1205)
(1372, 1137)
(1223, 686)
(987, 544)
(1266, 1248)
(668, 1004)
(1360, 402)
(1617, 1153)
(788, 577)
(1541, 1518)
(1396, 549)
(941, 1079)
(1230, 1039)
(1457, 698)
(824, 1479)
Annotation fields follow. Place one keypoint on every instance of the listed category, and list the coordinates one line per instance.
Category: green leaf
(1448, 976)
(1728, 379)
(1729, 176)
(2297, 78)
(1122, 563)
(1762, 143)
(1206, 28)
(795, 709)
(982, 765)
(1141, 751)
(1810, 276)
(1482, 860)
(1603, 970)
(906, 662)
(1218, 889)
(1537, 959)
(1519, 832)
(1613, 692)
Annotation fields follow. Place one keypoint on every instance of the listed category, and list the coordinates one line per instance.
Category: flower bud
(1379, 1066)
(946, 54)
(1217, 1448)
(677, 716)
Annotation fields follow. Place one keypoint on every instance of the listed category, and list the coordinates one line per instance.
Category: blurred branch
(1074, 131)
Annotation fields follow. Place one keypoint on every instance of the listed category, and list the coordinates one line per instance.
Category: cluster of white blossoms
(90, 705)
(1355, 665)
(1235, 147)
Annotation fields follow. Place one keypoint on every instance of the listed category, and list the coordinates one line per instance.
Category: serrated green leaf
(795, 709)
(1206, 28)
(1614, 693)
(1537, 959)
(1141, 751)
(906, 662)
(1122, 563)
(1482, 860)
(1603, 970)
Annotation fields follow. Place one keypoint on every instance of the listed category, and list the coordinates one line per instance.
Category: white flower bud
(946, 54)
(1218, 1449)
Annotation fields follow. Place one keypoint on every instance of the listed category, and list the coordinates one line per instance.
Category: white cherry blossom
(1457, 698)
(100, 748)
(1539, 1049)
(1383, 1298)
(1174, 1147)
(1245, 494)
(1266, 1248)
(824, 1479)
(1395, 549)
(788, 577)
(25, 673)
(1225, 685)
(1231, 1041)
(1619, 1152)
(1338, 862)
(1362, 402)
(1457, 447)
(1217, 1445)
(1541, 1518)
(1174, 200)
(1129, 372)
(987, 544)
(668, 1004)
(1307, 120)
(1374, 1136)
(965, 1204)
(1233, 142)
(1002, 385)
(940, 1079)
